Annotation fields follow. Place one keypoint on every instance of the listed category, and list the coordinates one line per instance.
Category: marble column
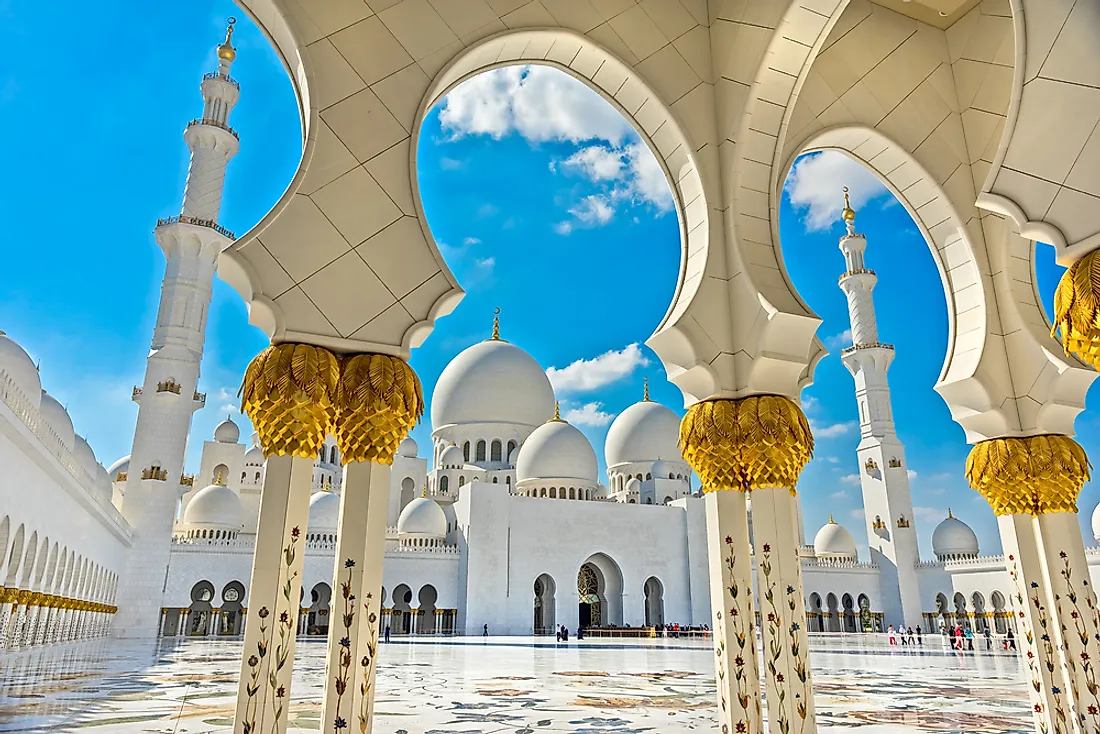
(1039, 640)
(30, 628)
(1076, 611)
(736, 671)
(7, 606)
(163, 621)
(353, 628)
(18, 620)
(263, 694)
(782, 611)
(181, 622)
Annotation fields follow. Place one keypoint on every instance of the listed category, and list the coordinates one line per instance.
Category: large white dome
(556, 450)
(17, 365)
(215, 506)
(58, 419)
(953, 537)
(408, 448)
(324, 512)
(227, 431)
(492, 382)
(422, 518)
(834, 541)
(643, 432)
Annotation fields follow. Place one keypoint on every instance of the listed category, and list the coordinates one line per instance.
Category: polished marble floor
(513, 685)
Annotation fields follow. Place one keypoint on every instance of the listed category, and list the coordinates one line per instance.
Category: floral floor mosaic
(512, 685)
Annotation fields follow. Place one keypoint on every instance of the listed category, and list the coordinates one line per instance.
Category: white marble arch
(355, 191)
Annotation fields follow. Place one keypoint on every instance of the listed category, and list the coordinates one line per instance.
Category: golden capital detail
(378, 402)
(296, 394)
(1077, 309)
(746, 444)
(1033, 476)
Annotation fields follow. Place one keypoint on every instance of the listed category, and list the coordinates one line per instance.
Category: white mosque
(503, 521)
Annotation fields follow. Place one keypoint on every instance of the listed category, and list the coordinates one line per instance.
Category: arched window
(257, 476)
(648, 476)
(494, 480)
(649, 500)
(243, 475)
(586, 495)
(542, 492)
(631, 501)
(461, 481)
(639, 477)
(671, 476)
(508, 480)
(466, 451)
(479, 454)
(553, 493)
(444, 483)
(572, 494)
(494, 450)
(511, 447)
(334, 456)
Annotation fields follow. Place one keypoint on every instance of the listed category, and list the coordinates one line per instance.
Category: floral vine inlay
(287, 619)
(773, 645)
(1082, 621)
(744, 637)
(1034, 600)
(367, 663)
(340, 681)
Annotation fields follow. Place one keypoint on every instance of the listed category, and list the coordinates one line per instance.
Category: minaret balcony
(872, 345)
(169, 385)
(200, 398)
(213, 123)
(187, 480)
(224, 77)
(155, 473)
(136, 395)
(210, 223)
(859, 271)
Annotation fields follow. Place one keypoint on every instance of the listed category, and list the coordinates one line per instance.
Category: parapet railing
(223, 77)
(184, 219)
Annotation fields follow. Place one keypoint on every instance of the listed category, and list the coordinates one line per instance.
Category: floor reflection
(473, 685)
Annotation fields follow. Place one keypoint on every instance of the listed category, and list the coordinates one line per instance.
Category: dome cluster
(21, 389)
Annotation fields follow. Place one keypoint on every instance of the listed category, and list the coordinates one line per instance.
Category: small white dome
(422, 518)
(215, 506)
(451, 458)
(643, 432)
(492, 382)
(324, 512)
(84, 456)
(408, 448)
(227, 431)
(58, 419)
(953, 537)
(121, 466)
(556, 450)
(634, 486)
(1096, 522)
(834, 541)
(254, 456)
(17, 365)
(513, 455)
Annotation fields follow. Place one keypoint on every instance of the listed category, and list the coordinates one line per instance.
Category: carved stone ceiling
(938, 13)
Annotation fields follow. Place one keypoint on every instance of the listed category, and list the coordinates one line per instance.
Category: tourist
(969, 639)
(557, 634)
(580, 632)
(564, 633)
(387, 633)
(988, 638)
(893, 640)
(901, 634)
(920, 641)
(912, 640)
(1010, 639)
(951, 635)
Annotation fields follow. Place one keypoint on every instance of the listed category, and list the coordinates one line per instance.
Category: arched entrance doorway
(425, 613)
(400, 616)
(232, 603)
(320, 597)
(654, 602)
(599, 593)
(198, 615)
(544, 618)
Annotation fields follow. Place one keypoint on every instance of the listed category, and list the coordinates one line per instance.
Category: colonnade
(29, 618)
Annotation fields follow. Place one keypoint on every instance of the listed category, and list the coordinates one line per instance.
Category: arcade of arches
(981, 116)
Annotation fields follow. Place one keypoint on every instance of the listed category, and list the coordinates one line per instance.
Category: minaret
(883, 474)
(168, 398)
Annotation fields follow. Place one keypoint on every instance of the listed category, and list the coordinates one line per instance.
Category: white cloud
(810, 403)
(852, 479)
(593, 210)
(537, 102)
(911, 473)
(595, 162)
(588, 414)
(563, 228)
(592, 374)
(814, 187)
(449, 164)
(839, 495)
(832, 459)
(630, 176)
(839, 341)
(485, 263)
(832, 430)
(649, 181)
(929, 513)
(471, 241)
(857, 514)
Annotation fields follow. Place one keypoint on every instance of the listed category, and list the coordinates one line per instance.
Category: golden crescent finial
(949, 515)
(557, 413)
(849, 213)
(496, 324)
(831, 520)
(226, 51)
(645, 390)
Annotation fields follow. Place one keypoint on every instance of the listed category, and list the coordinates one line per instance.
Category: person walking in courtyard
(969, 639)
(564, 633)
(1010, 639)
(387, 633)
(901, 635)
(893, 640)
(988, 638)
(912, 640)
(920, 641)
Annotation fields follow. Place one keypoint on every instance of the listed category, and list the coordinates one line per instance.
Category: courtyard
(508, 684)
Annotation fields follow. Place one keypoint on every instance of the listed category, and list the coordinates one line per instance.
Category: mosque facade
(504, 522)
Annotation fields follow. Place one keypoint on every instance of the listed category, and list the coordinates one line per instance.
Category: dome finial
(219, 478)
(226, 52)
(831, 520)
(557, 413)
(949, 515)
(849, 213)
(496, 324)
(645, 390)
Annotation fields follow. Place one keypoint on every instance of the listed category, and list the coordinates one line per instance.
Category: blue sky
(552, 213)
